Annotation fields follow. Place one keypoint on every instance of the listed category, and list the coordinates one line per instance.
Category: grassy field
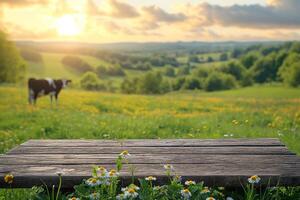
(251, 112)
(52, 66)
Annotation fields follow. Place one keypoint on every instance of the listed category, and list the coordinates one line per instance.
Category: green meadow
(253, 112)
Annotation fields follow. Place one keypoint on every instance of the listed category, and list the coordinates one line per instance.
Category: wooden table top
(225, 162)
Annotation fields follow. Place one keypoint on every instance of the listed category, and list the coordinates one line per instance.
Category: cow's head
(66, 82)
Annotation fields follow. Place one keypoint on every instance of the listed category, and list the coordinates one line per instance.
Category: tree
(219, 81)
(203, 72)
(236, 53)
(265, 69)
(249, 59)
(169, 71)
(223, 57)
(234, 69)
(178, 83)
(90, 81)
(193, 59)
(210, 59)
(12, 66)
(288, 72)
(292, 77)
(150, 83)
(76, 63)
(295, 48)
(129, 86)
(192, 83)
(182, 71)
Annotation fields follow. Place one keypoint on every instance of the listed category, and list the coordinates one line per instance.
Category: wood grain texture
(232, 150)
(217, 162)
(154, 143)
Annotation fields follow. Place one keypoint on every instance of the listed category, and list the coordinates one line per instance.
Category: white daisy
(210, 198)
(186, 194)
(102, 170)
(113, 173)
(131, 186)
(205, 190)
(188, 183)
(254, 179)
(73, 198)
(150, 178)
(94, 196)
(59, 173)
(168, 167)
(120, 197)
(130, 193)
(93, 182)
(125, 154)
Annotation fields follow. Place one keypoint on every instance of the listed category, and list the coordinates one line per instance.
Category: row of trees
(257, 64)
(12, 66)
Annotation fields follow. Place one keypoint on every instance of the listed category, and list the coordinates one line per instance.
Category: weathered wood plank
(154, 143)
(273, 150)
(217, 162)
(73, 159)
(228, 174)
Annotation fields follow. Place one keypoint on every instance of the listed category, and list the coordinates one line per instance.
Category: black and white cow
(42, 87)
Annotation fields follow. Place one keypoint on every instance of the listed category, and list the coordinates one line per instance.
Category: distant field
(251, 112)
(52, 66)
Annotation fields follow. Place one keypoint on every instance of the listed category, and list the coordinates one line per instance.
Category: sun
(68, 25)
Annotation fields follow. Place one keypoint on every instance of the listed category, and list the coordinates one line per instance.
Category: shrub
(292, 76)
(265, 69)
(90, 81)
(234, 69)
(178, 83)
(169, 71)
(31, 55)
(236, 53)
(203, 72)
(76, 64)
(288, 68)
(150, 83)
(223, 57)
(183, 71)
(142, 66)
(193, 59)
(219, 81)
(129, 86)
(109, 71)
(192, 83)
(210, 59)
(249, 59)
(247, 80)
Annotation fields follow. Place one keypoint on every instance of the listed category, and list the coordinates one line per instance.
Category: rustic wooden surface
(217, 162)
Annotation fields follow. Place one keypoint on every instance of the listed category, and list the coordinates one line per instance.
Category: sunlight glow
(69, 25)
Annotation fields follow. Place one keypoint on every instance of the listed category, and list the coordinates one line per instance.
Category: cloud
(62, 8)
(19, 32)
(114, 9)
(153, 17)
(20, 3)
(157, 14)
(91, 8)
(119, 9)
(276, 14)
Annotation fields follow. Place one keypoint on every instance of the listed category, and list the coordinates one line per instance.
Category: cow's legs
(51, 99)
(30, 96)
(56, 99)
(35, 96)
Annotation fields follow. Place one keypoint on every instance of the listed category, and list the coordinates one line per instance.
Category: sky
(106, 21)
